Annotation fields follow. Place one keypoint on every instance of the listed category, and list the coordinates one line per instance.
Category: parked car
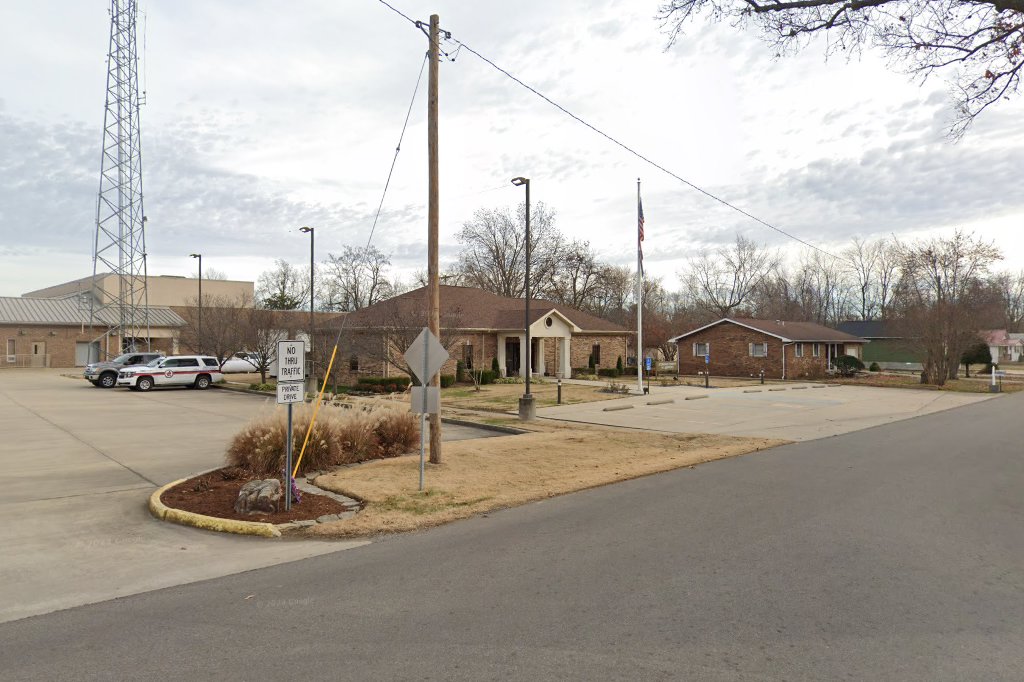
(192, 371)
(241, 361)
(104, 374)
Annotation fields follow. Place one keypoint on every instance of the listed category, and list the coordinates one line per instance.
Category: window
(701, 349)
(467, 356)
(595, 353)
(798, 350)
(353, 363)
(10, 346)
(211, 362)
(188, 362)
(816, 350)
(759, 350)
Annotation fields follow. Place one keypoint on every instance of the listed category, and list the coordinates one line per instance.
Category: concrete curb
(487, 427)
(164, 513)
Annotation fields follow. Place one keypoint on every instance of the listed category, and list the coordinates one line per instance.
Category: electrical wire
(617, 142)
(398, 148)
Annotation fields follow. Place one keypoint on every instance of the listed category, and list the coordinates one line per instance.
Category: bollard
(762, 377)
(707, 376)
(559, 390)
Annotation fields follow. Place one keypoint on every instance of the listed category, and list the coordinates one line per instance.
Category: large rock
(259, 497)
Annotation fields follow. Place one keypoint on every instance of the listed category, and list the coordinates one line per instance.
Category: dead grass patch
(505, 397)
(483, 475)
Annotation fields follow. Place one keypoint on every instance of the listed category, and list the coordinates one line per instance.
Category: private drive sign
(291, 361)
(289, 392)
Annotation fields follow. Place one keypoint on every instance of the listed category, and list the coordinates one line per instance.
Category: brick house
(477, 327)
(739, 346)
(55, 332)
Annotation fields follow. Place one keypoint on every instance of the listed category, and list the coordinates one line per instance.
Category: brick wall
(60, 343)
(612, 346)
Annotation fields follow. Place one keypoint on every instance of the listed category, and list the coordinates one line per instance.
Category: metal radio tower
(120, 246)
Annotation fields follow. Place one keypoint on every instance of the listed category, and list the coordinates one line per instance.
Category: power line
(637, 154)
(620, 144)
(398, 148)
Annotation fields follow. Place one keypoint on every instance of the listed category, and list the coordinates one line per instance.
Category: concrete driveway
(77, 466)
(792, 411)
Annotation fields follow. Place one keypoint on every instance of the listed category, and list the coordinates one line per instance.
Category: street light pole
(312, 379)
(199, 331)
(527, 408)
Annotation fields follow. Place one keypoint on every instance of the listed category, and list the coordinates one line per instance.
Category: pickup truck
(192, 371)
(104, 374)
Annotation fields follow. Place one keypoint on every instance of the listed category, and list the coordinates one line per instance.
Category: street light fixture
(312, 379)
(199, 331)
(527, 408)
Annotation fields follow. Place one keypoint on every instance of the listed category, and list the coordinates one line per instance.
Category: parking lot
(791, 411)
(77, 466)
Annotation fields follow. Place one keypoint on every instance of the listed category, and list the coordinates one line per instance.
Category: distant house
(480, 328)
(741, 346)
(1003, 346)
(888, 346)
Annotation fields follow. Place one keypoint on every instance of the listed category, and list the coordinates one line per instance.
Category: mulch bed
(215, 493)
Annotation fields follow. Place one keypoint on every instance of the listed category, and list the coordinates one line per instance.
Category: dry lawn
(976, 384)
(478, 476)
(505, 397)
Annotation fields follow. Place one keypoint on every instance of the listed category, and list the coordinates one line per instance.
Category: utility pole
(433, 220)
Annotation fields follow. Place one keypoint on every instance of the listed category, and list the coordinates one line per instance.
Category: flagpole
(639, 292)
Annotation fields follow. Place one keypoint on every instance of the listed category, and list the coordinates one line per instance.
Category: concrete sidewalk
(791, 411)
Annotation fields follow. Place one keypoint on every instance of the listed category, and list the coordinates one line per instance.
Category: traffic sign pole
(288, 464)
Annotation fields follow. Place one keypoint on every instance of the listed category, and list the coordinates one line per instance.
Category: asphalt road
(895, 553)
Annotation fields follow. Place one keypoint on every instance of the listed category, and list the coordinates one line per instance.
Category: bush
(590, 362)
(494, 367)
(618, 365)
(383, 384)
(338, 437)
(628, 371)
(460, 371)
(607, 372)
(847, 365)
(509, 380)
(262, 387)
(447, 380)
(874, 367)
(488, 376)
(398, 432)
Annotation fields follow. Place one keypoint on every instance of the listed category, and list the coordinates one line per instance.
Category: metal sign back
(426, 356)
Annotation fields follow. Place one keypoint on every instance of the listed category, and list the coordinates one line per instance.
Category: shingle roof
(67, 311)
(783, 329)
(470, 308)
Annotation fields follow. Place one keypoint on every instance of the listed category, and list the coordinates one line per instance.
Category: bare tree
(1011, 291)
(722, 282)
(978, 42)
(356, 278)
(493, 255)
(618, 284)
(822, 288)
(285, 287)
(261, 329)
(940, 296)
(577, 279)
(223, 322)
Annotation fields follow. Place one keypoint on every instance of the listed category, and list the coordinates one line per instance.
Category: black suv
(104, 374)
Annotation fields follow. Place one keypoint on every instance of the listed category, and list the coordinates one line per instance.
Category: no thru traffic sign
(291, 360)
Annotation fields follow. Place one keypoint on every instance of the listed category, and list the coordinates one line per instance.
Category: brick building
(782, 349)
(478, 327)
(55, 332)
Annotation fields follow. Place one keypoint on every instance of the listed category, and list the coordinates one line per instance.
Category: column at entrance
(501, 354)
(539, 362)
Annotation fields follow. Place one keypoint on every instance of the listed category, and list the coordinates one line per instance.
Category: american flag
(640, 230)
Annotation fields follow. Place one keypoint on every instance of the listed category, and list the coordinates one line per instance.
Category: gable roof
(784, 330)
(471, 308)
(67, 311)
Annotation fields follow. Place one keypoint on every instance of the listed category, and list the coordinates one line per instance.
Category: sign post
(291, 362)
(425, 357)
(707, 367)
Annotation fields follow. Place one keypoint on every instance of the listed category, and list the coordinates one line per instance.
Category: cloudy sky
(265, 116)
